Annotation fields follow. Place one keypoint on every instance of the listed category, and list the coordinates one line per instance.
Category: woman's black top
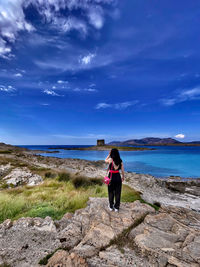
(119, 168)
(116, 177)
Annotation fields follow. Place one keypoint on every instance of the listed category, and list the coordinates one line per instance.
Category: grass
(44, 261)
(122, 240)
(155, 205)
(55, 197)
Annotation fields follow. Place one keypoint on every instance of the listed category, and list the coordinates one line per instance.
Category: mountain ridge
(153, 141)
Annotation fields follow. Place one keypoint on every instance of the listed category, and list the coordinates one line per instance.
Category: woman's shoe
(116, 210)
(110, 209)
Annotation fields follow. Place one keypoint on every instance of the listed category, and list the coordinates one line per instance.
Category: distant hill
(147, 141)
(5, 147)
(194, 142)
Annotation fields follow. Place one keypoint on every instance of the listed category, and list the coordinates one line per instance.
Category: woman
(115, 186)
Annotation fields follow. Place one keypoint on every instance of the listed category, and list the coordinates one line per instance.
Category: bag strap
(111, 169)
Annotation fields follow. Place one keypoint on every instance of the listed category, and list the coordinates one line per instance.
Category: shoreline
(169, 191)
(104, 148)
(171, 177)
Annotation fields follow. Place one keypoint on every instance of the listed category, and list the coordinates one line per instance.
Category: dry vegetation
(60, 193)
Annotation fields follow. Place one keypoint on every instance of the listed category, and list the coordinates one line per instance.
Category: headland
(158, 223)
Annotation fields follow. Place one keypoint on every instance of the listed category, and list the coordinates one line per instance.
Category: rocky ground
(94, 236)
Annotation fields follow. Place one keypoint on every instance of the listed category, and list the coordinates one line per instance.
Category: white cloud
(92, 85)
(103, 105)
(61, 64)
(7, 89)
(45, 104)
(180, 136)
(62, 82)
(12, 20)
(69, 24)
(13, 17)
(50, 92)
(191, 93)
(185, 95)
(90, 90)
(119, 106)
(76, 89)
(96, 17)
(168, 102)
(18, 75)
(85, 60)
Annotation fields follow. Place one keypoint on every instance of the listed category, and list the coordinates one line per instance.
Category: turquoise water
(161, 162)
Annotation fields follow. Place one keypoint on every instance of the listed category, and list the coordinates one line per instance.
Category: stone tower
(101, 142)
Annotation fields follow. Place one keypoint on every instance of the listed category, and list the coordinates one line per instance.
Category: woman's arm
(108, 159)
(122, 168)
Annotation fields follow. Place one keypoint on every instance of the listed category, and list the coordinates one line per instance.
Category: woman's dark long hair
(114, 154)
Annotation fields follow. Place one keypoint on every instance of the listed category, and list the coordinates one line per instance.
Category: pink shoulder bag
(106, 179)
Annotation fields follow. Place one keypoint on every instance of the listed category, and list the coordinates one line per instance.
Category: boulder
(4, 169)
(22, 176)
(66, 259)
(166, 192)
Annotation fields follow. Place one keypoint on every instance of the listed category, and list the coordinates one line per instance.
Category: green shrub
(82, 181)
(96, 181)
(157, 204)
(4, 186)
(5, 152)
(50, 175)
(5, 265)
(42, 210)
(44, 261)
(64, 176)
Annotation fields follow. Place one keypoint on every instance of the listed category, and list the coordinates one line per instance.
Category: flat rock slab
(26, 241)
(166, 239)
(22, 176)
(170, 237)
(104, 225)
(113, 257)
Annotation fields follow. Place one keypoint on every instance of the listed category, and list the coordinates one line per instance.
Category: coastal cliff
(139, 235)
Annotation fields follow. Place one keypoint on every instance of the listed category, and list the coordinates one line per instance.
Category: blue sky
(72, 71)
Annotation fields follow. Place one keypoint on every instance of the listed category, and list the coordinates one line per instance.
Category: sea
(163, 161)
